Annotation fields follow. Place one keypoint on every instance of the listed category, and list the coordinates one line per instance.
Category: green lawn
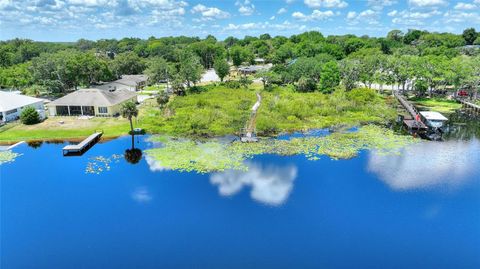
(437, 104)
(72, 128)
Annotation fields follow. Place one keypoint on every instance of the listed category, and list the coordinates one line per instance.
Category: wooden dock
(412, 124)
(249, 134)
(83, 146)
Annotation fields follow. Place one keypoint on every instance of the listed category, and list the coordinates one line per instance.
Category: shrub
(232, 84)
(244, 81)
(305, 84)
(29, 116)
(163, 98)
(361, 96)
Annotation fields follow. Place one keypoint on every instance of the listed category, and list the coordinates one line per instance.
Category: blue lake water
(420, 209)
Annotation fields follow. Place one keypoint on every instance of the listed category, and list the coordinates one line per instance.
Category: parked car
(462, 93)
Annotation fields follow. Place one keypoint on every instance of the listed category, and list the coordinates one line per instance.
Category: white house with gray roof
(12, 104)
(127, 82)
(91, 102)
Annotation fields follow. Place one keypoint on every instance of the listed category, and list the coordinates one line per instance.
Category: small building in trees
(253, 69)
(12, 105)
(91, 102)
(127, 82)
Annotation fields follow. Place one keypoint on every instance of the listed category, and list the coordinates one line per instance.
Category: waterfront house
(91, 102)
(127, 82)
(12, 104)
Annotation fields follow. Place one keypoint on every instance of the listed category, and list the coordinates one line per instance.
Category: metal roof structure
(432, 115)
(10, 101)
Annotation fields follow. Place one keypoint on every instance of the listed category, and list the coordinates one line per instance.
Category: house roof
(94, 97)
(431, 115)
(113, 86)
(132, 80)
(9, 101)
(124, 82)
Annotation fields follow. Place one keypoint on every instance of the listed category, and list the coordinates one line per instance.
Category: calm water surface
(420, 209)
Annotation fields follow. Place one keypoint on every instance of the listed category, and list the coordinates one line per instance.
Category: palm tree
(130, 110)
(133, 155)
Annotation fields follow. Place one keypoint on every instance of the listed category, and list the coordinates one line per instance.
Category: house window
(103, 110)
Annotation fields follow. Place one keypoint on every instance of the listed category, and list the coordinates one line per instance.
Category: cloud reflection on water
(270, 184)
(154, 165)
(427, 165)
(141, 195)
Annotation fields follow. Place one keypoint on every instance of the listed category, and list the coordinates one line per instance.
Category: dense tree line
(416, 59)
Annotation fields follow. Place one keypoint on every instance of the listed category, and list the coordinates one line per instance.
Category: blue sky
(69, 20)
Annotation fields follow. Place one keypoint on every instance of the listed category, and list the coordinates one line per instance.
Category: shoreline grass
(218, 111)
(71, 129)
(437, 104)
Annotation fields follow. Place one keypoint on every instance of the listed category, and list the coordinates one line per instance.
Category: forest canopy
(310, 60)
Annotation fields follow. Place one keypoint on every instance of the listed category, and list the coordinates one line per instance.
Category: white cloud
(351, 15)
(466, 6)
(210, 12)
(282, 10)
(407, 17)
(392, 13)
(367, 16)
(141, 195)
(461, 17)
(427, 165)
(5, 3)
(154, 165)
(380, 4)
(427, 3)
(89, 3)
(316, 15)
(272, 18)
(326, 3)
(245, 7)
(270, 185)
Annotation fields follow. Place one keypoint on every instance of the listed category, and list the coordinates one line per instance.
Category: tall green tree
(330, 77)
(222, 68)
(190, 69)
(127, 63)
(158, 70)
(129, 110)
(470, 35)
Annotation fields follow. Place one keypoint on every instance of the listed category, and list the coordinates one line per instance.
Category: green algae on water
(214, 155)
(100, 164)
(8, 156)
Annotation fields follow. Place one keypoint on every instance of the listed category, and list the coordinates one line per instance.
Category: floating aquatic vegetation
(8, 156)
(100, 164)
(204, 157)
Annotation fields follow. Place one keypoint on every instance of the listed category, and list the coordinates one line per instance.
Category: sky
(70, 20)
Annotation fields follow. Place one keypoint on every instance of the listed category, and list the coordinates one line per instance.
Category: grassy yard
(286, 110)
(437, 104)
(72, 128)
(218, 110)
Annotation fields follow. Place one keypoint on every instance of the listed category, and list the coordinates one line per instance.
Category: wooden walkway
(475, 109)
(412, 124)
(82, 146)
(250, 135)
